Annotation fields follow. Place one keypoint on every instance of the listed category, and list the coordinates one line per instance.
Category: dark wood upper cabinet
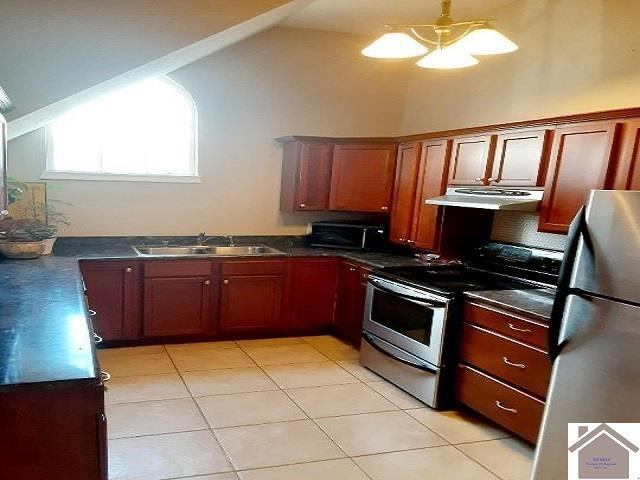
(177, 306)
(432, 181)
(362, 177)
(251, 297)
(581, 158)
(628, 172)
(312, 294)
(404, 192)
(520, 159)
(471, 160)
(113, 292)
(306, 176)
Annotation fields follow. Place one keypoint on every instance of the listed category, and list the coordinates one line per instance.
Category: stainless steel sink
(207, 250)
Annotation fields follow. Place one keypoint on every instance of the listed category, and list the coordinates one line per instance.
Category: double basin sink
(206, 250)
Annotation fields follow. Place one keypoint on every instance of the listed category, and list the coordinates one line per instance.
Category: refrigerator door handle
(576, 231)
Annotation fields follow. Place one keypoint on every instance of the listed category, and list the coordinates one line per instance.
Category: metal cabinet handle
(402, 239)
(226, 282)
(479, 179)
(522, 330)
(490, 179)
(506, 409)
(128, 270)
(303, 205)
(352, 269)
(385, 208)
(93, 313)
(411, 241)
(105, 377)
(97, 338)
(207, 282)
(517, 365)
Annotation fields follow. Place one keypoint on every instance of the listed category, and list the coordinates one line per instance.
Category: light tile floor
(286, 409)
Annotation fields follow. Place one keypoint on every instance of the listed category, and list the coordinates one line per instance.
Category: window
(145, 132)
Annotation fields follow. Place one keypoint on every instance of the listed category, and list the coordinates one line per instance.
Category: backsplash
(522, 228)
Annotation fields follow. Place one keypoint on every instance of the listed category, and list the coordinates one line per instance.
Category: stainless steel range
(411, 313)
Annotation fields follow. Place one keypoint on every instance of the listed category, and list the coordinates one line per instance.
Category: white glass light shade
(395, 45)
(444, 58)
(485, 41)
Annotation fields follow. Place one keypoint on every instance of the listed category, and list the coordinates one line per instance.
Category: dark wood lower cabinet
(53, 432)
(251, 297)
(350, 302)
(113, 293)
(177, 306)
(312, 294)
(503, 373)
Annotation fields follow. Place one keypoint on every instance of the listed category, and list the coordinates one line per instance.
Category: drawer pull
(97, 338)
(92, 313)
(523, 330)
(506, 409)
(517, 365)
(105, 377)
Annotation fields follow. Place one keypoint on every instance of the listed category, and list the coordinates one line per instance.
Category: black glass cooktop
(450, 281)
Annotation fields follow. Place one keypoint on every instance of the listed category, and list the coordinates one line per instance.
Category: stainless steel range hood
(490, 198)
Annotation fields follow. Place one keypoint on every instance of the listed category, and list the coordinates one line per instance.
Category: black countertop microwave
(348, 235)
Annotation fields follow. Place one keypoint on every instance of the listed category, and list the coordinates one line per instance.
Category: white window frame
(50, 174)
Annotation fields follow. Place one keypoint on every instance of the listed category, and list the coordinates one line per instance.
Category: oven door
(410, 319)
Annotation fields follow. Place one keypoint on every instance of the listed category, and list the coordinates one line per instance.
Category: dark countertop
(536, 303)
(45, 333)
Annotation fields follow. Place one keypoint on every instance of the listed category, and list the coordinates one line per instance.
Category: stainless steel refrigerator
(595, 327)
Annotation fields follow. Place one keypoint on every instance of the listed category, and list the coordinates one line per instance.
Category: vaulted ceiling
(52, 49)
(367, 17)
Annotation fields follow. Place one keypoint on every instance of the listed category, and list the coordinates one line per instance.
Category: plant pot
(21, 250)
(48, 245)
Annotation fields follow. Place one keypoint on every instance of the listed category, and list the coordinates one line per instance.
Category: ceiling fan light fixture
(485, 41)
(444, 58)
(395, 45)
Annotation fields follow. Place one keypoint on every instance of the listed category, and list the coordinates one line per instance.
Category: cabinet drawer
(177, 268)
(508, 324)
(253, 267)
(507, 406)
(518, 364)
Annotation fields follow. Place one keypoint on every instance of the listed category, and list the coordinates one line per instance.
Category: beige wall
(280, 82)
(575, 56)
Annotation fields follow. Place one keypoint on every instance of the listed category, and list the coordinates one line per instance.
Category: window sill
(116, 177)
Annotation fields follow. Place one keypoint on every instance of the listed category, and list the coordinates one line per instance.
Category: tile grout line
(215, 437)
(478, 463)
(309, 418)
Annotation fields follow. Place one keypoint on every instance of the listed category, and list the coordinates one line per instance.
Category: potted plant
(16, 241)
(48, 231)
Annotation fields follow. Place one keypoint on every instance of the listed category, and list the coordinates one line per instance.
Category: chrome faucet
(202, 239)
(230, 239)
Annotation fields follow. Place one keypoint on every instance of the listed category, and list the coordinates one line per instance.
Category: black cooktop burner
(450, 281)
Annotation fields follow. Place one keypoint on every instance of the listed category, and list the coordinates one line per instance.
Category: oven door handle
(370, 340)
(419, 300)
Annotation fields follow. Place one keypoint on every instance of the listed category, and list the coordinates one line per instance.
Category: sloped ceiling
(368, 17)
(50, 50)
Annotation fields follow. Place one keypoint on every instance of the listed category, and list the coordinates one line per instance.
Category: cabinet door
(432, 181)
(628, 173)
(580, 160)
(312, 293)
(362, 177)
(350, 303)
(113, 292)
(177, 306)
(404, 192)
(520, 159)
(471, 160)
(251, 303)
(306, 172)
